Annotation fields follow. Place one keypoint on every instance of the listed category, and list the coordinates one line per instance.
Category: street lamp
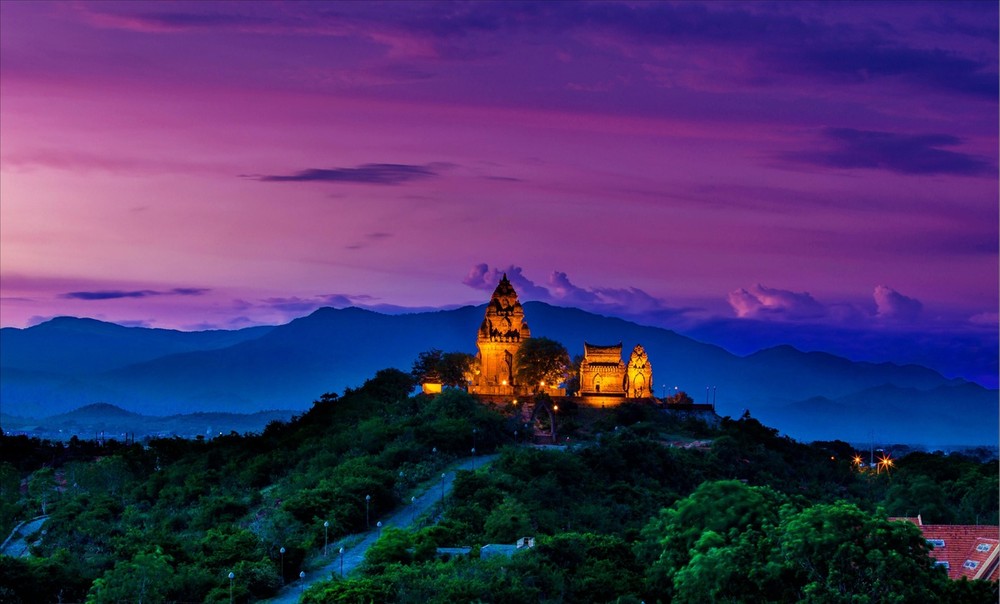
(379, 526)
(232, 576)
(341, 563)
(282, 551)
(473, 458)
(442, 488)
(326, 536)
(368, 499)
(302, 582)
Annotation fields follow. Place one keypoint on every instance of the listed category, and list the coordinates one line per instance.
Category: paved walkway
(16, 545)
(404, 517)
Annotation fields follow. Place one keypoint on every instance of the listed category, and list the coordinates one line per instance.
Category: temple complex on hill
(605, 379)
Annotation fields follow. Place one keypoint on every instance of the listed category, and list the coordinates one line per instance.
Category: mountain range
(65, 363)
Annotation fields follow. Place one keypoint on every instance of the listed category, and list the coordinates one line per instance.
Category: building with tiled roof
(964, 550)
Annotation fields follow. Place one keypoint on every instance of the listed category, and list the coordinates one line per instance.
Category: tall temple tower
(498, 339)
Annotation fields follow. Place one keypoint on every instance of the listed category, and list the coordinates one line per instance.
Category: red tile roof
(968, 550)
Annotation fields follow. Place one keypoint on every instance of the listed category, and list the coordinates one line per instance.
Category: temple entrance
(542, 421)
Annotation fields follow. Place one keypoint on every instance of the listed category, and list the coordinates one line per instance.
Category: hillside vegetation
(622, 515)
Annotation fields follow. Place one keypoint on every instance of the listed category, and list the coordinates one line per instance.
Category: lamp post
(378, 525)
(341, 563)
(413, 509)
(442, 488)
(473, 458)
(282, 551)
(232, 576)
(302, 581)
(326, 536)
(368, 499)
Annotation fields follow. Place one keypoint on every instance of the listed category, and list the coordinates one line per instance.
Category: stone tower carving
(499, 336)
(640, 374)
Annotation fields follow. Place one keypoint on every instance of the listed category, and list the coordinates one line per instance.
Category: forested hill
(67, 363)
(626, 516)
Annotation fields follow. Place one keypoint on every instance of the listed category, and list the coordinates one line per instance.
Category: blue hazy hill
(806, 395)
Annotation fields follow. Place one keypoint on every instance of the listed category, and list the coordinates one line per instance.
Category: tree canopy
(541, 360)
(447, 368)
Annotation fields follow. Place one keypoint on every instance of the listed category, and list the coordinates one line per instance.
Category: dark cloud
(373, 174)
(189, 20)
(783, 40)
(933, 68)
(370, 237)
(113, 294)
(902, 153)
(783, 37)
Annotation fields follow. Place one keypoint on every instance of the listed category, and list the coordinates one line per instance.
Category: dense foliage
(628, 514)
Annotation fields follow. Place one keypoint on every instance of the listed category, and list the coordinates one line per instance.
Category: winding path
(16, 545)
(404, 517)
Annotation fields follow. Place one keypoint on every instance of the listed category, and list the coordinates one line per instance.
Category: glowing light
(884, 463)
(503, 383)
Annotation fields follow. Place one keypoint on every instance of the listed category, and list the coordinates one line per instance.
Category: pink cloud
(894, 306)
(760, 301)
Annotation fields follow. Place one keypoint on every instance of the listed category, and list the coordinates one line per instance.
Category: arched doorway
(543, 421)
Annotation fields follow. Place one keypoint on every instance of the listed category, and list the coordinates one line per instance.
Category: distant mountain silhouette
(108, 421)
(66, 363)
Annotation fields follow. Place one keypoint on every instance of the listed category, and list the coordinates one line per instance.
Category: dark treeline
(620, 517)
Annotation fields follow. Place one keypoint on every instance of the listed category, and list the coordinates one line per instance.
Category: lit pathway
(16, 545)
(402, 518)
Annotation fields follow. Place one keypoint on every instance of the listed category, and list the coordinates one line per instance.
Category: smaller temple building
(604, 373)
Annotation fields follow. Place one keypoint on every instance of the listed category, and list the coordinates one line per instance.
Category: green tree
(541, 360)
(146, 578)
(838, 553)
(708, 544)
(427, 367)
(679, 398)
(448, 368)
(394, 546)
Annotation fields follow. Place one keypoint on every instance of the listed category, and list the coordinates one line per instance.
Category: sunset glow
(748, 173)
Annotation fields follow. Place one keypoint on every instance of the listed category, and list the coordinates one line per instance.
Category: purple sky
(781, 168)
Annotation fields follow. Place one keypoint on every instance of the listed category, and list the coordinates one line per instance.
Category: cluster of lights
(885, 462)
